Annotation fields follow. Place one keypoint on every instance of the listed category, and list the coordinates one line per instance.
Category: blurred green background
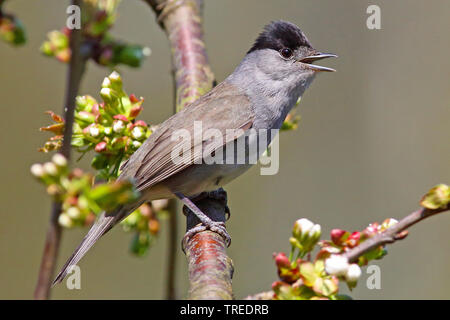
(373, 138)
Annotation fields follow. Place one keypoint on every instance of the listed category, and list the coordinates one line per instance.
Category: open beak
(318, 56)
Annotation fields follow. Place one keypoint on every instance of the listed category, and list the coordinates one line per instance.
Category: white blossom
(107, 130)
(50, 168)
(73, 212)
(315, 230)
(59, 160)
(65, 221)
(106, 83)
(94, 131)
(353, 273)
(114, 76)
(37, 170)
(118, 126)
(136, 144)
(336, 265)
(136, 132)
(304, 225)
(106, 92)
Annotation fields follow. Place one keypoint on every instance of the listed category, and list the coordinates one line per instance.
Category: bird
(256, 97)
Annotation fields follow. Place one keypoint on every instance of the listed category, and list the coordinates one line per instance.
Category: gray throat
(272, 94)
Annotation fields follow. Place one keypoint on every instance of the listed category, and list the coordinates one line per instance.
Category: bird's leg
(206, 222)
(219, 195)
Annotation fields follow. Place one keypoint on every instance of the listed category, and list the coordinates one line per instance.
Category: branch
(182, 23)
(52, 241)
(392, 234)
(210, 269)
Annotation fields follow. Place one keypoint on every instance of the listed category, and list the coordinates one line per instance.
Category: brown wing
(223, 108)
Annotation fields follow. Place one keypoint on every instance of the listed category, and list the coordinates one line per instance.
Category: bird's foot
(214, 226)
(206, 222)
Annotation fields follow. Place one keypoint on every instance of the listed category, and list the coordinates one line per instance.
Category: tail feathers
(103, 225)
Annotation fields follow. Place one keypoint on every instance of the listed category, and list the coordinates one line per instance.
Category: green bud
(437, 197)
(84, 117)
(115, 81)
(131, 55)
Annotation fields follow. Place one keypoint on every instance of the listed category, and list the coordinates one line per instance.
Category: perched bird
(257, 96)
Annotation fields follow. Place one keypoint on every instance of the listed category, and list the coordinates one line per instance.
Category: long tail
(102, 226)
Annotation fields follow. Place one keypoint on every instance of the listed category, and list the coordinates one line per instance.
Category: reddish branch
(392, 234)
(74, 74)
(210, 269)
(181, 20)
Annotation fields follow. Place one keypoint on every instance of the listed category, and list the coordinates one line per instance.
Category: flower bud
(115, 81)
(65, 221)
(85, 103)
(437, 197)
(59, 160)
(50, 169)
(315, 231)
(37, 170)
(301, 227)
(107, 130)
(281, 260)
(131, 55)
(100, 147)
(353, 273)
(73, 212)
(54, 189)
(133, 98)
(106, 83)
(138, 133)
(108, 95)
(336, 265)
(94, 131)
(336, 236)
(306, 235)
(85, 117)
(136, 144)
(353, 239)
(118, 126)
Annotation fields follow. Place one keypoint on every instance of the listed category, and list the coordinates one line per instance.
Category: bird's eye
(286, 53)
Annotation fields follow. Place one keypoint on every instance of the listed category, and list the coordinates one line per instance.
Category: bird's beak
(317, 56)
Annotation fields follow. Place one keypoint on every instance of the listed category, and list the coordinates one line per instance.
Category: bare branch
(74, 74)
(210, 269)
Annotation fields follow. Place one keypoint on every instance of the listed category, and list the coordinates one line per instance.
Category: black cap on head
(280, 34)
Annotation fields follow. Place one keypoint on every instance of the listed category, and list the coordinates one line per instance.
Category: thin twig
(210, 269)
(74, 74)
(392, 234)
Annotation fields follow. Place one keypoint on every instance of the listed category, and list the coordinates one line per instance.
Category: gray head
(280, 62)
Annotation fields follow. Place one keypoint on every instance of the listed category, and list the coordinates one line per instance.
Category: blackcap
(257, 96)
